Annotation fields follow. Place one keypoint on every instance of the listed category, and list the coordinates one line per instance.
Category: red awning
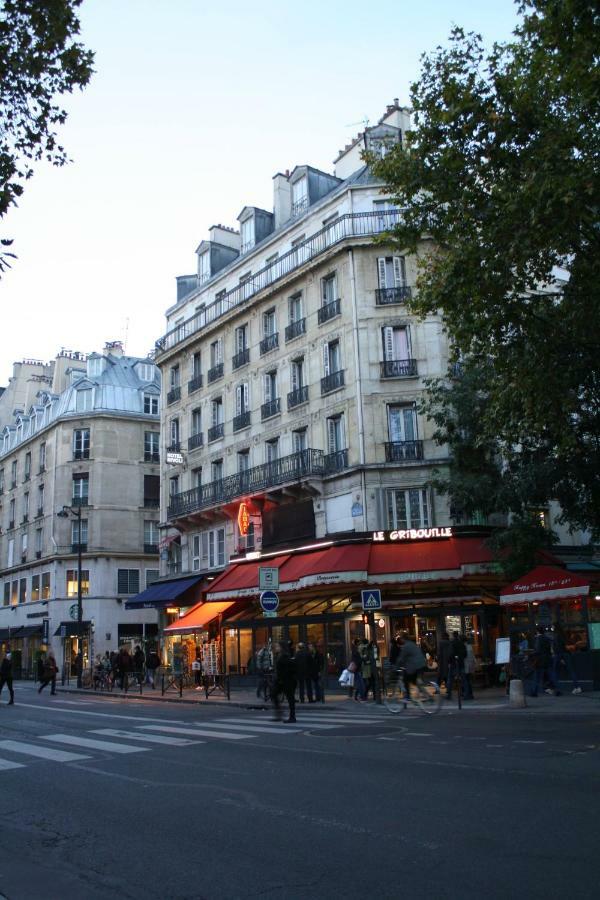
(241, 579)
(545, 583)
(197, 618)
(335, 565)
(428, 560)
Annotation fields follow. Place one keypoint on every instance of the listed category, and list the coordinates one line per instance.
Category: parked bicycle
(402, 694)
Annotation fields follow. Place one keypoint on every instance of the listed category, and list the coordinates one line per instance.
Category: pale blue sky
(193, 108)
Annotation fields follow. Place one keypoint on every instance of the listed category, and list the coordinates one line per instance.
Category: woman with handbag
(355, 666)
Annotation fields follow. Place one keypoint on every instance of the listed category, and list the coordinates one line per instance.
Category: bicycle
(425, 696)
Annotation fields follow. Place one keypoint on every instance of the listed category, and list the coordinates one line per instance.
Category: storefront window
(245, 649)
(594, 609)
(231, 650)
(336, 647)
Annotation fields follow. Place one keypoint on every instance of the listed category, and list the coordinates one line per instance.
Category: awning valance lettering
(164, 593)
(545, 583)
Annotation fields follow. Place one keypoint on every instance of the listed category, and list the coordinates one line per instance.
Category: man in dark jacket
(456, 664)
(6, 677)
(542, 648)
(443, 656)
(302, 673)
(152, 664)
(139, 661)
(285, 681)
(315, 667)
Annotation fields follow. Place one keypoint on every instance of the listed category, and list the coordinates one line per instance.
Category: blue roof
(164, 593)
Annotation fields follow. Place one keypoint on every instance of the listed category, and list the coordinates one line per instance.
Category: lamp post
(64, 513)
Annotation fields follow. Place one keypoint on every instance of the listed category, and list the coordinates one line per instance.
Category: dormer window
(299, 196)
(204, 267)
(84, 400)
(145, 371)
(95, 365)
(247, 234)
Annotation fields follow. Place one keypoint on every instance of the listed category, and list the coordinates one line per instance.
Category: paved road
(112, 797)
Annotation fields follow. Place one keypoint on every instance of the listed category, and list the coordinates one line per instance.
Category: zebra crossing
(144, 737)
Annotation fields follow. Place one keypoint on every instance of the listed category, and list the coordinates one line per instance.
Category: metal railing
(388, 296)
(194, 384)
(329, 311)
(150, 548)
(335, 462)
(268, 343)
(270, 408)
(286, 470)
(240, 359)
(399, 368)
(151, 456)
(242, 420)
(174, 395)
(332, 382)
(195, 441)
(215, 432)
(295, 329)
(400, 451)
(351, 225)
(174, 447)
(215, 373)
(295, 398)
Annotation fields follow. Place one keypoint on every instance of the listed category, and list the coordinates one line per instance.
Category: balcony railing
(150, 548)
(151, 456)
(195, 441)
(299, 206)
(25, 519)
(329, 311)
(352, 225)
(11, 524)
(241, 359)
(81, 454)
(399, 368)
(215, 432)
(215, 373)
(270, 408)
(151, 502)
(295, 329)
(401, 451)
(387, 296)
(286, 470)
(241, 421)
(268, 343)
(335, 462)
(40, 512)
(80, 501)
(174, 447)
(194, 384)
(300, 395)
(332, 382)
(76, 547)
(174, 395)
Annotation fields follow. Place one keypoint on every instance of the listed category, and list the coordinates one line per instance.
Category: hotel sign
(411, 534)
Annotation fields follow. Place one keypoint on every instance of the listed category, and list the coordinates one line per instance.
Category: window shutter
(381, 271)
(215, 413)
(238, 399)
(410, 424)
(246, 395)
(265, 324)
(267, 389)
(326, 367)
(388, 342)
(219, 351)
(331, 442)
(341, 433)
(295, 379)
(240, 340)
(204, 557)
(122, 581)
(399, 271)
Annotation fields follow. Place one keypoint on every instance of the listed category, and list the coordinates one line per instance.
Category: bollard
(516, 694)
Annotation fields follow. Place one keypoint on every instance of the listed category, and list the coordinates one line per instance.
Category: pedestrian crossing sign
(371, 599)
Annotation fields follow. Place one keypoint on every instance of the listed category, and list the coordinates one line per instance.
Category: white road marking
(41, 752)
(150, 738)
(83, 712)
(261, 729)
(201, 732)
(418, 734)
(6, 764)
(77, 741)
(529, 742)
(256, 724)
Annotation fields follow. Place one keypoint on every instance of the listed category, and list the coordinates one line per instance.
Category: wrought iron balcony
(295, 329)
(270, 408)
(194, 384)
(287, 470)
(38, 554)
(332, 382)
(295, 398)
(150, 548)
(81, 454)
(335, 462)
(268, 343)
(80, 501)
(25, 519)
(76, 547)
(151, 502)
(299, 206)
(388, 296)
(11, 524)
(399, 368)
(215, 373)
(151, 456)
(174, 395)
(241, 421)
(329, 311)
(240, 359)
(351, 225)
(174, 447)
(195, 441)
(216, 432)
(402, 451)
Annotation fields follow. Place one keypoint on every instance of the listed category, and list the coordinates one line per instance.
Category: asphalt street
(106, 797)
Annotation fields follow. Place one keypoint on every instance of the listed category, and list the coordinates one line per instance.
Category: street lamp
(64, 513)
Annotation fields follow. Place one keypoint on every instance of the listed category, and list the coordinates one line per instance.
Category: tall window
(402, 423)
(299, 440)
(329, 289)
(150, 535)
(39, 541)
(81, 489)
(151, 491)
(216, 353)
(297, 377)
(26, 506)
(336, 438)
(27, 472)
(196, 421)
(208, 549)
(11, 513)
(241, 338)
(247, 234)
(295, 308)
(24, 546)
(217, 411)
(75, 533)
(216, 470)
(299, 195)
(243, 460)
(174, 432)
(173, 486)
(35, 588)
(272, 450)
(246, 285)
(270, 385)
(408, 508)
(42, 456)
(391, 271)
(150, 405)
(175, 377)
(242, 398)
(197, 477)
(204, 267)
(7, 593)
(332, 358)
(84, 400)
(1, 481)
(22, 590)
(396, 345)
(46, 585)
(269, 323)
(13, 473)
(72, 582)
(81, 443)
(128, 581)
(151, 446)
(196, 365)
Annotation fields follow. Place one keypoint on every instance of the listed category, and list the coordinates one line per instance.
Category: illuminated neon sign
(243, 519)
(412, 534)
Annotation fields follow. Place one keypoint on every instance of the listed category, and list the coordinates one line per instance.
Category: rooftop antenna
(364, 122)
(126, 335)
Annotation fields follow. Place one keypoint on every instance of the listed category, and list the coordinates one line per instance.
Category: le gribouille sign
(412, 534)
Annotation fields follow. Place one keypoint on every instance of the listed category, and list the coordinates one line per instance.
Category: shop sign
(174, 458)
(73, 611)
(45, 631)
(412, 534)
(243, 519)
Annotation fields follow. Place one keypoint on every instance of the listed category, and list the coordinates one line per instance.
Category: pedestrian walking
(124, 667)
(469, 668)
(285, 681)
(6, 676)
(49, 677)
(456, 664)
(264, 670)
(412, 660)
(315, 668)
(544, 674)
(562, 656)
(302, 673)
(355, 666)
(443, 658)
(139, 663)
(197, 670)
(152, 664)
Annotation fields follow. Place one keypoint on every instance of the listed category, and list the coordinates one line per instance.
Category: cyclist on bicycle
(412, 661)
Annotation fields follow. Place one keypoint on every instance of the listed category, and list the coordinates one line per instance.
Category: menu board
(594, 631)
(502, 651)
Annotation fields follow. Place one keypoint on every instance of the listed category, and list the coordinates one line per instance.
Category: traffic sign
(371, 599)
(269, 601)
(270, 615)
(268, 578)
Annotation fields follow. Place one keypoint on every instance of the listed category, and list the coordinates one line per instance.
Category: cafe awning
(72, 629)
(165, 593)
(198, 618)
(545, 583)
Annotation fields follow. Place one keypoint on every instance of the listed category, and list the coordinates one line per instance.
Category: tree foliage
(502, 172)
(40, 60)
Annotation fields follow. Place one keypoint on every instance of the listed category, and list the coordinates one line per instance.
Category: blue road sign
(371, 599)
(269, 600)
